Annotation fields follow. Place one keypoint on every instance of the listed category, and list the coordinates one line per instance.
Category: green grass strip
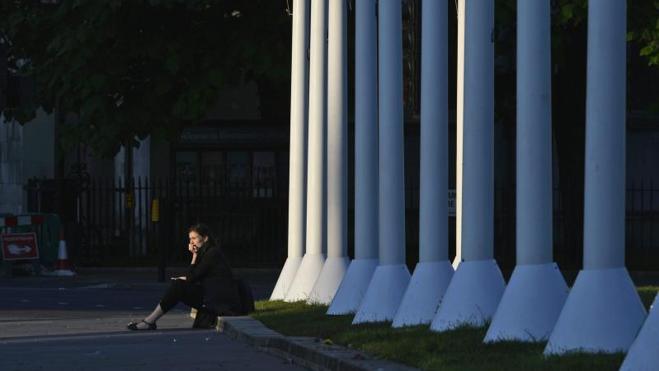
(460, 349)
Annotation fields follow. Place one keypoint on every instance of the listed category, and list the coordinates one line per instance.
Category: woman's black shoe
(149, 326)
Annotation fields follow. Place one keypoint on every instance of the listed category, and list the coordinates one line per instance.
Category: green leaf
(647, 50)
(172, 63)
(216, 78)
(567, 12)
(98, 81)
(163, 87)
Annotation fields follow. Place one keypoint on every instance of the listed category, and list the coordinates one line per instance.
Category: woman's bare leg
(151, 318)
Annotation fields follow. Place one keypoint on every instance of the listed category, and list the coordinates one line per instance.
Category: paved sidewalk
(79, 323)
(153, 350)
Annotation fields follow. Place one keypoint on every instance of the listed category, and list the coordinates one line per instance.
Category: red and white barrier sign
(19, 220)
(19, 246)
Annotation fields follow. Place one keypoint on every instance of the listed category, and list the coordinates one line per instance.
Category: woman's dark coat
(212, 272)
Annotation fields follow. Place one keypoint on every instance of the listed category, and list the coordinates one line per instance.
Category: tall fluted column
(536, 291)
(391, 277)
(459, 125)
(316, 232)
(354, 284)
(604, 281)
(298, 149)
(477, 285)
(337, 261)
(434, 271)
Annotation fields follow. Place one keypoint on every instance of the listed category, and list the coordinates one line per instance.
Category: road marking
(98, 286)
(63, 303)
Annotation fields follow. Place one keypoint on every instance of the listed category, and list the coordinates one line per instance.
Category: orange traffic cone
(62, 265)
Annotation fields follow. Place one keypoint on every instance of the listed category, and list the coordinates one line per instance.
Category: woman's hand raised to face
(193, 249)
(196, 242)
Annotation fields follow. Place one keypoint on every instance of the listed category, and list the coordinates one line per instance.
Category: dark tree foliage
(131, 68)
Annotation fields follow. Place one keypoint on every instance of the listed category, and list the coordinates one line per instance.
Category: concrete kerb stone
(306, 351)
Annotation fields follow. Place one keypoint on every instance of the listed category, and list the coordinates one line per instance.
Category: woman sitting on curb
(208, 286)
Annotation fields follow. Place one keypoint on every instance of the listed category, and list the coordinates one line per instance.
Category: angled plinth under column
(643, 354)
(329, 280)
(530, 305)
(384, 294)
(305, 278)
(353, 287)
(286, 277)
(603, 313)
(424, 293)
(472, 296)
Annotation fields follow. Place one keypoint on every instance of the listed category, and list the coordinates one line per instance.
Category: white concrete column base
(329, 280)
(353, 287)
(424, 293)
(305, 277)
(286, 277)
(472, 296)
(643, 354)
(530, 305)
(384, 293)
(603, 313)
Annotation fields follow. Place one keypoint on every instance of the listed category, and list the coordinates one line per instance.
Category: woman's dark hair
(204, 231)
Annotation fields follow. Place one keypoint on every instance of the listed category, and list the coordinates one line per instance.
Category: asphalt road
(78, 323)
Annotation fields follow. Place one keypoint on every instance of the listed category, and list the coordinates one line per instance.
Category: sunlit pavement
(79, 323)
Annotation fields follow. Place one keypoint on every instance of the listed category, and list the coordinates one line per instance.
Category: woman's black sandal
(133, 326)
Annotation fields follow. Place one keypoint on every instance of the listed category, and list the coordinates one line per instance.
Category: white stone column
(354, 284)
(643, 355)
(391, 277)
(459, 125)
(298, 149)
(336, 265)
(434, 271)
(536, 291)
(477, 285)
(603, 312)
(313, 259)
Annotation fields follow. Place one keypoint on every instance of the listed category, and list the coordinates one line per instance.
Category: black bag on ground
(204, 318)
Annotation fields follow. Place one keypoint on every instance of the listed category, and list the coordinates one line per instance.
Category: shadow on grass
(459, 349)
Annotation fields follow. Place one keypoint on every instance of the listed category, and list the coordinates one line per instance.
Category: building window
(212, 168)
(238, 170)
(229, 173)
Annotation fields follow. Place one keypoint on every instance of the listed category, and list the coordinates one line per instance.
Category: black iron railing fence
(144, 222)
(139, 222)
